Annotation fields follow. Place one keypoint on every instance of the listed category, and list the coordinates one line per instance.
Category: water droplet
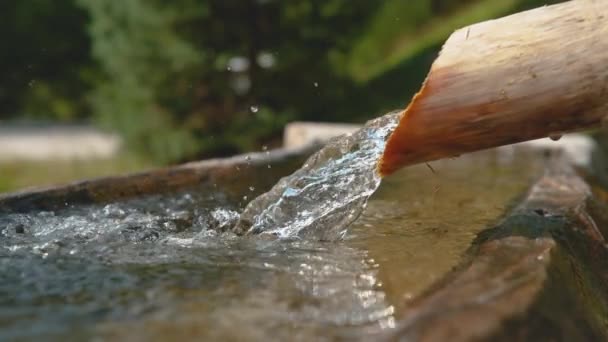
(254, 109)
(555, 136)
(316, 85)
(244, 198)
(270, 167)
(228, 68)
(251, 188)
(264, 148)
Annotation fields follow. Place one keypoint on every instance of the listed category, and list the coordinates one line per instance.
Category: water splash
(328, 193)
(69, 271)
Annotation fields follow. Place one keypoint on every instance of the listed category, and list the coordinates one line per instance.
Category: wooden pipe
(533, 74)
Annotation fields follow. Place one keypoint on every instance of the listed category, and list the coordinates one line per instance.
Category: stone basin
(506, 244)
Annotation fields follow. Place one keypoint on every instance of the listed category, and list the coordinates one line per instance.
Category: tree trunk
(526, 76)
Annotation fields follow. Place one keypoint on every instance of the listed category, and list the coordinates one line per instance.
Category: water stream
(328, 193)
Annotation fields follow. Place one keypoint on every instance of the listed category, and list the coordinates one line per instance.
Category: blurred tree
(147, 68)
(44, 60)
(196, 78)
(218, 76)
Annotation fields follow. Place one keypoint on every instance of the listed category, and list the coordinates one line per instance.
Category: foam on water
(328, 193)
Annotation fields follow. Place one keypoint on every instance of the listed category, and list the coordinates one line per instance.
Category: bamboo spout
(521, 77)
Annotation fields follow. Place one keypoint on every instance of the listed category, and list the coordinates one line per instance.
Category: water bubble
(316, 84)
(555, 136)
(254, 109)
(19, 229)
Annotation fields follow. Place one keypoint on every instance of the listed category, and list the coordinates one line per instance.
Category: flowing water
(328, 193)
(170, 268)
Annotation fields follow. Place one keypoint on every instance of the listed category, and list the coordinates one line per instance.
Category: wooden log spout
(533, 74)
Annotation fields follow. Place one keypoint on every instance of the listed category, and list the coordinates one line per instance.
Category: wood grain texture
(521, 77)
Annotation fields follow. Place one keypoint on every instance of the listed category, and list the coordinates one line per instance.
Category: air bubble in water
(555, 136)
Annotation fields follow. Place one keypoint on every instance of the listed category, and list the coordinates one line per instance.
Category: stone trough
(540, 274)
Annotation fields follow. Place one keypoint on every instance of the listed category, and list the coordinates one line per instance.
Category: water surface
(156, 268)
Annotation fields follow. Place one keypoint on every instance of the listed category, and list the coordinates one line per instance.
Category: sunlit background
(97, 87)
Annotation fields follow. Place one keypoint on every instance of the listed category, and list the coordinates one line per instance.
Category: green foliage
(158, 71)
(402, 30)
(143, 59)
(44, 59)
(168, 86)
